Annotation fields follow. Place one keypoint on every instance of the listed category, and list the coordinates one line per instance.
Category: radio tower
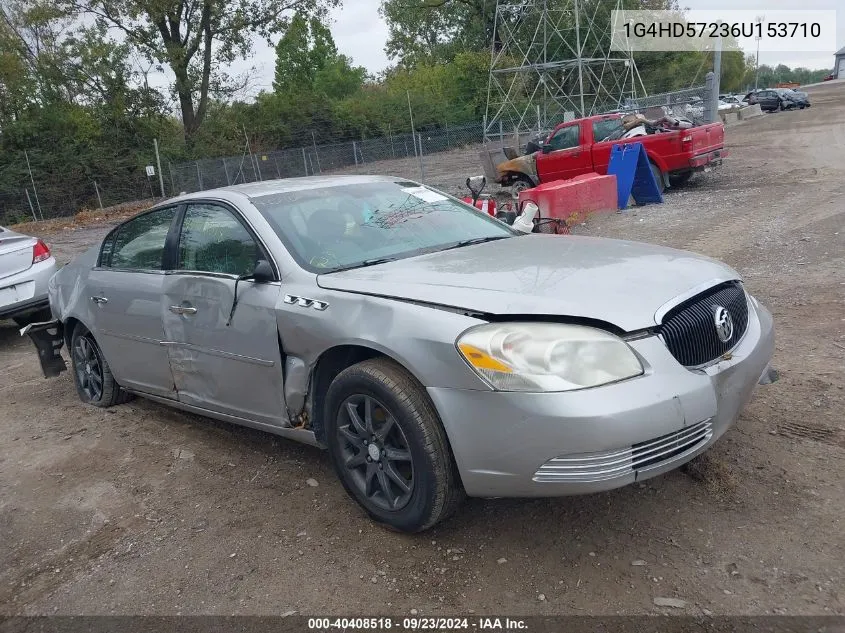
(551, 62)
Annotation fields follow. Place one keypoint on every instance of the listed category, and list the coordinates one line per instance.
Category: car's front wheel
(389, 448)
(92, 375)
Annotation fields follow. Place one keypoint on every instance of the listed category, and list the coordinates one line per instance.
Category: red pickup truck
(579, 147)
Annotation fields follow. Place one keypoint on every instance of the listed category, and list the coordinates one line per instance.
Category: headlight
(546, 356)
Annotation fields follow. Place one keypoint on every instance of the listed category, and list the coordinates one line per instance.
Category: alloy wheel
(375, 452)
(89, 368)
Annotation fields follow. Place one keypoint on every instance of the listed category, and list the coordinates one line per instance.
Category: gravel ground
(140, 509)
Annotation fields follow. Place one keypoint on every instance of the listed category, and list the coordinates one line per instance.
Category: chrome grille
(689, 330)
(589, 467)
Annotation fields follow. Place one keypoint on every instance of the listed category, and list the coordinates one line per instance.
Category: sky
(360, 33)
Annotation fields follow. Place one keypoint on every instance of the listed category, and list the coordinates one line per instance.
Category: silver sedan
(26, 266)
(432, 350)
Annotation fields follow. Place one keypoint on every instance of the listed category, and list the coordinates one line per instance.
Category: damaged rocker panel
(217, 352)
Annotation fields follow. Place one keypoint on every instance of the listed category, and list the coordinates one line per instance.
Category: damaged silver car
(434, 351)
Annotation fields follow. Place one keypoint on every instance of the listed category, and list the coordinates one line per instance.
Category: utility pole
(760, 19)
(717, 79)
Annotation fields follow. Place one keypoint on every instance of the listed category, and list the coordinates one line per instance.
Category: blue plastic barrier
(629, 163)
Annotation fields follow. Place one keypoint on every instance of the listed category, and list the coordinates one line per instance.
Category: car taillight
(40, 252)
(686, 141)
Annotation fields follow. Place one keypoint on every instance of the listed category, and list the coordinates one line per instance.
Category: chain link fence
(316, 159)
(690, 103)
(48, 195)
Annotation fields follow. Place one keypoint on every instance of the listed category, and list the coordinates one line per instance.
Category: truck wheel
(658, 176)
(92, 375)
(520, 183)
(388, 447)
(679, 180)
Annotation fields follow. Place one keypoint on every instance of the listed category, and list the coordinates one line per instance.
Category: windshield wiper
(365, 263)
(477, 240)
(377, 260)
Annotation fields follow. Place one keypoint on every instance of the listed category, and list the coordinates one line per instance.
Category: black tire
(520, 182)
(39, 316)
(679, 180)
(412, 483)
(92, 375)
(658, 176)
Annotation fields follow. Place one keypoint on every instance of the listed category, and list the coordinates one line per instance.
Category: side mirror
(263, 272)
(546, 149)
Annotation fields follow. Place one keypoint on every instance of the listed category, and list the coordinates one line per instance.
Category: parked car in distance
(801, 99)
(433, 350)
(747, 98)
(26, 266)
(584, 145)
(770, 100)
(829, 77)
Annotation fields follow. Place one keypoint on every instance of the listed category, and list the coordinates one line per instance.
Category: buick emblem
(724, 324)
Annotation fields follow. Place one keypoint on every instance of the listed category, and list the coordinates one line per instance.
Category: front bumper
(551, 444)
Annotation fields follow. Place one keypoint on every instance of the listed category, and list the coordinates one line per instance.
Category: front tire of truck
(519, 183)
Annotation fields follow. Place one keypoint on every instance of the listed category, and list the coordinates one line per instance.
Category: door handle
(100, 300)
(182, 310)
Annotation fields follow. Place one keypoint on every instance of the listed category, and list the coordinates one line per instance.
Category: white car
(26, 266)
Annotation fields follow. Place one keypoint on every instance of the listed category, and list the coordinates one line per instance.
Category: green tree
(435, 30)
(338, 78)
(303, 50)
(195, 38)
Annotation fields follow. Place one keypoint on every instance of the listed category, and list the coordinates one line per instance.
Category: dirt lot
(141, 509)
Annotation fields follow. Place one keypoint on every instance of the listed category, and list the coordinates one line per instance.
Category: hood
(620, 282)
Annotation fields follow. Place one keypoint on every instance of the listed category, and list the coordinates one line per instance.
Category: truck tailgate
(707, 138)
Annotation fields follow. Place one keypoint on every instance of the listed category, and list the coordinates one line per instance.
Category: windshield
(336, 228)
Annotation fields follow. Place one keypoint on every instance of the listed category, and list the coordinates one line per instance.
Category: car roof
(283, 185)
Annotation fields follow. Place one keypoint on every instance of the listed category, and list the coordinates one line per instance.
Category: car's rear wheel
(679, 180)
(92, 375)
(388, 447)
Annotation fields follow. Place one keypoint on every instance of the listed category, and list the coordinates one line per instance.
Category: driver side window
(214, 240)
(565, 138)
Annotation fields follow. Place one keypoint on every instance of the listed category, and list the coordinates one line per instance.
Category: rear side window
(606, 130)
(139, 243)
(213, 240)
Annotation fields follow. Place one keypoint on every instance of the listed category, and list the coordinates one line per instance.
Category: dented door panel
(126, 321)
(235, 369)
